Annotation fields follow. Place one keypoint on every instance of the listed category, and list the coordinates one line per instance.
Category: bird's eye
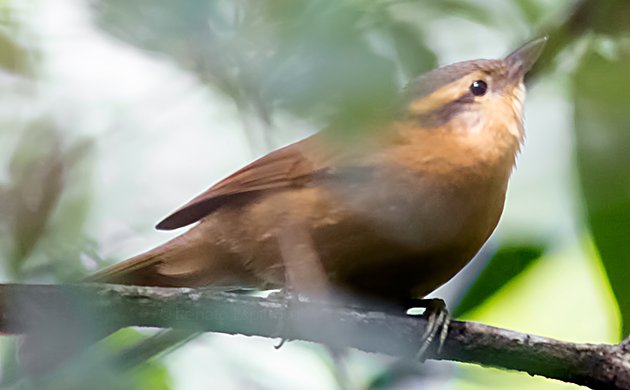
(478, 88)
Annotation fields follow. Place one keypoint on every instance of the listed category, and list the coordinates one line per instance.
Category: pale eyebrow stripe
(441, 115)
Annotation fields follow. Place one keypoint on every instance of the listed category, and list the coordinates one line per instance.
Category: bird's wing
(290, 166)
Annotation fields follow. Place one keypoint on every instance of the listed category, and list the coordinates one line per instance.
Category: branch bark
(102, 308)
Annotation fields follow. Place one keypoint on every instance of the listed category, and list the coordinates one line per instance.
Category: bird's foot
(287, 298)
(438, 321)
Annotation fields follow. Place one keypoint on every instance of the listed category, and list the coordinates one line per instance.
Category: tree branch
(50, 308)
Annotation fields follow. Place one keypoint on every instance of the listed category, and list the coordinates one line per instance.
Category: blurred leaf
(137, 349)
(13, 57)
(415, 57)
(329, 68)
(602, 125)
(96, 374)
(608, 17)
(581, 18)
(322, 60)
(507, 263)
(400, 375)
(530, 9)
(152, 376)
(466, 9)
(65, 349)
(37, 171)
(146, 374)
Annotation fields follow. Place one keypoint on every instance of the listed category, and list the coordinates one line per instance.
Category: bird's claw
(286, 297)
(438, 321)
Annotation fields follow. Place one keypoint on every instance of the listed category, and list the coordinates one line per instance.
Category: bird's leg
(304, 273)
(305, 277)
(303, 269)
(438, 321)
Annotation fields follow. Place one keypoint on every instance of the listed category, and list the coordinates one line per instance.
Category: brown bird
(394, 215)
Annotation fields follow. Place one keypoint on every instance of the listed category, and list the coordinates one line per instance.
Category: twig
(49, 308)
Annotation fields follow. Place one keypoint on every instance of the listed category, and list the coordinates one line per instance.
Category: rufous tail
(141, 270)
(189, 260)
(192, 259)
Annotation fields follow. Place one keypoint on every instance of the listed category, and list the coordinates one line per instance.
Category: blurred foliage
(398, 375)
(44, 166)
(37, 171)
(602, 123)
(43, 205)
(147, 375)
(334, 63)
(530, 9)
(607, 17)
(506, 263)
(315, 58)
(466, 9)
(101, 367)
(13, 58)
(38, 168)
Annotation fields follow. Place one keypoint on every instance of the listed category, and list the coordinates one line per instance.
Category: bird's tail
(140, 270)
(186, 261)
(189, 260)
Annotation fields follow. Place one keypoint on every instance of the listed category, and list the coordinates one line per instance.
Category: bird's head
(474, 96)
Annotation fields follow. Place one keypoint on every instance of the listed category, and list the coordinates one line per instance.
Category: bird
(391, 215)
(388, 215)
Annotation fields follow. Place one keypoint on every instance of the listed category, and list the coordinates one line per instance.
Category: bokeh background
(113, 113)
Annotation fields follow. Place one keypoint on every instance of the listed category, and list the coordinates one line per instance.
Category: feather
(291, 166)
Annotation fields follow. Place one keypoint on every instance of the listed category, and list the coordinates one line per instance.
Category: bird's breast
(395, 230)
(407, 232)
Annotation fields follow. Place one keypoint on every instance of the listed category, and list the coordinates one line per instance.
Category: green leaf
(332, 62)
(470, 10)
(602, 126)
(608, 17)
(13, 57)
(152, 376)
(147, 373)
(37, 170)
(530, 9)
(507, 263)
(414, 56)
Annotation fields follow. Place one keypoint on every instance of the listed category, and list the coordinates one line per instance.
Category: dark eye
(478, 88)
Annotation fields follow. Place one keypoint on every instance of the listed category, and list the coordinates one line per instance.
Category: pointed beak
(521, 60)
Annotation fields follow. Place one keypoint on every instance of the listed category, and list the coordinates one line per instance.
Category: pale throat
(516, 127)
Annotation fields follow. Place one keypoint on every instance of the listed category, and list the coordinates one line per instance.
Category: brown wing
(285, 167)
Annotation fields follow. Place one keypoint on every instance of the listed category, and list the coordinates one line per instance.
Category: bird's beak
(521, 60)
